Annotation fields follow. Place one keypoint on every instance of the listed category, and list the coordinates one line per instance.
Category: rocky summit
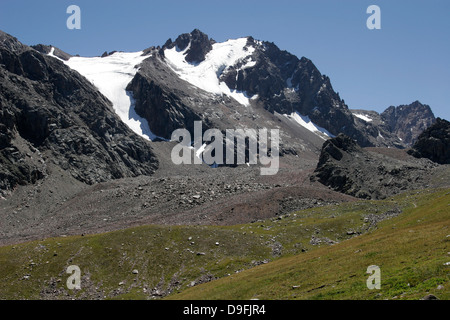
(408, 121)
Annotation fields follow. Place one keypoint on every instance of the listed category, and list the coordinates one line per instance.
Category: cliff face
(434, 143)
(49, 113)
(164, 110)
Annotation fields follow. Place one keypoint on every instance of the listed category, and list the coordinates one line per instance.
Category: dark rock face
(200, 45)
(164, 110)
(267, 78)
(51, 113)
(408, 121)
(14, 170)
(286, 84)
(346, 167)
(434, 143)
(11, 43)
(106, 54)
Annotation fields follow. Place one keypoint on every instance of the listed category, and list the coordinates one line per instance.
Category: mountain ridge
(64, 147)
(275, 76)
(331, 113)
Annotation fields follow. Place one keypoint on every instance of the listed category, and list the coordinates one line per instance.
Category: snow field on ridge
(205, 75)
(111, 75)
(362, 117)
(306, 122)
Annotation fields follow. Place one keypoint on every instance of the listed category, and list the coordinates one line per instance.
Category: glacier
(111, 75)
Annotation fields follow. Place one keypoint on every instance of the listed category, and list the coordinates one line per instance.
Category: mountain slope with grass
(412, 250)
(314, 253)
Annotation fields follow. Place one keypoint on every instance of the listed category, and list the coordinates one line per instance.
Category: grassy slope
(409, 249)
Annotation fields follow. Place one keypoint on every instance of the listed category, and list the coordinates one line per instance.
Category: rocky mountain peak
(198, 42)
(260, 72)
(408, 121)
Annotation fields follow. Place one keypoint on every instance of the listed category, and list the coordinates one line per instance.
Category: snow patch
(111, 75)
(52, 54)
(363, 117)
(205, 75)
(306, 122)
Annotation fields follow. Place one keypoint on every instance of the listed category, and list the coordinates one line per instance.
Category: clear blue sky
(407, 60)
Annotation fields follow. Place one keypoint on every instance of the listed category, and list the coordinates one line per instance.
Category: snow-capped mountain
(198, 78)
(85, 111)
(247, 71)
(83, 141)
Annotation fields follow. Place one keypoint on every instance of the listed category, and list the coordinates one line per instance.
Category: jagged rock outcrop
(49, 113)
(346, 167)
(198, 42)
(408, 121)
(434, 143)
